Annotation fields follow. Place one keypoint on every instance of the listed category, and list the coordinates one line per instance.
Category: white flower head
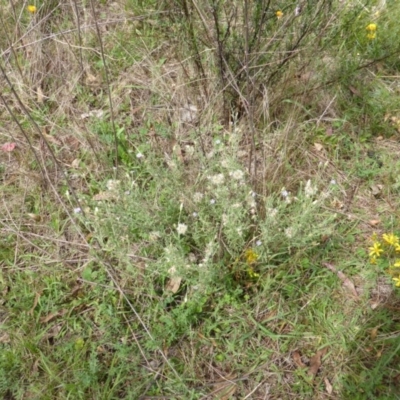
(208, 253)
(310, 190)
(272, 212)
(258, 243)
(197, 197)
(237, 175)
(251, 202)
(289, 232)
(212, 201)
(154, 236)
(224, 163)
(181, 229)
(189, 150)
(284, 193)
(333, 182)
(139, 155)
(77, 210)
(217, 179)
(112, 184)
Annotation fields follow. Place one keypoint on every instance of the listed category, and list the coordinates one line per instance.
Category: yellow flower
(375, 250)
(31, 8)
(397, 247)
(251, 273)
(251, 256)
(390, 239)
(372, 260)
(371, 36)
(371, 28)
(279, 14)
(397, 280)
(397, 264)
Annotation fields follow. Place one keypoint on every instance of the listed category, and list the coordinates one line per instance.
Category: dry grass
(88, 243)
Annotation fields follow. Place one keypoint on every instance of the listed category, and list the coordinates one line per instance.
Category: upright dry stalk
(78, 25)
(249, 103)
(107, 83)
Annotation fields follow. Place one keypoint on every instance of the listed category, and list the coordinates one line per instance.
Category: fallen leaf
(51, 139)
(374, 304)
(35, 366)
(330, 267)
(178, 152)
(376, 190)
(328, 386)
(5, 338)
(354, 91)
(373, 334)
(318, 146)
(105, 196)
(8, 147)
(336, 203)
(141, 266)
(315, 362)
(35, 301)
(225, 389)
(226, 392)
(51, 316)
(34, 217)
(297, 359)
(93, 113)
(374, 222)
(40, 95)
(348, 284)
(92, 80)
(174, 283)
(53, 332)
(188, 113)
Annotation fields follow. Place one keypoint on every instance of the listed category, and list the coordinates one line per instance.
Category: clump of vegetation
(188, 189)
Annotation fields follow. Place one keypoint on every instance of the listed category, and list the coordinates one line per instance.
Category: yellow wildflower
(279, 14)
(375, 250)
(397, 247)
(251, 273)
(397, 280)
(250, 256)
(31, 8)
(390, 239)
(371, 29)
(372, 260)
(396, 264)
